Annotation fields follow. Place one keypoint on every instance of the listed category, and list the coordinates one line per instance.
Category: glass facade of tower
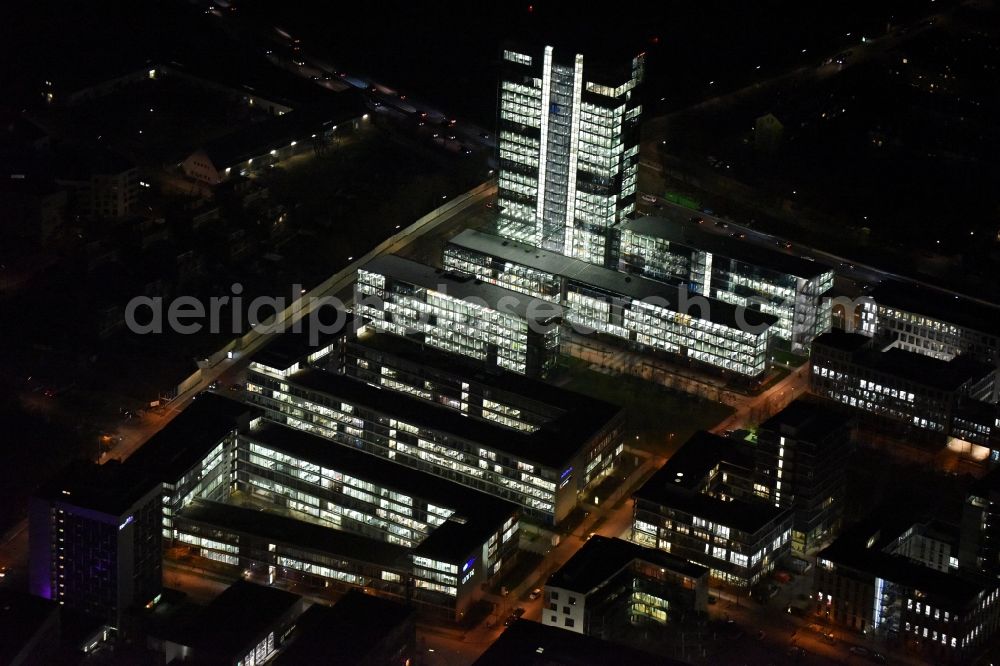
(568, 152)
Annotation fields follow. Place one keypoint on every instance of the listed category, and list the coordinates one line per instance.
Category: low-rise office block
(639, 311)
(920, 392)
(544, 471)
(610, 583)
(876, 578)
(791, 288)
(701, 506)
(460, 314)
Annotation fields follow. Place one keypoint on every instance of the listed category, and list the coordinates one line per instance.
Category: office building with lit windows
(250, 495)
(877, 579)
(611, 583)
(979, 548)
(324, 515)
(245, 625)
(457, 313)
(701, 506)
(253, 497)
(359, 630)
(931, 322)
(801, 458)
(190, 456)
(301, 347)
(503, 398)
(944, 399)
(568, 144)
(95, 541)
(643, 312)
(544, 471)
(792, 289)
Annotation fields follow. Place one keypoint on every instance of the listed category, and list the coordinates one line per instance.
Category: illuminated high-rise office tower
(569, 151)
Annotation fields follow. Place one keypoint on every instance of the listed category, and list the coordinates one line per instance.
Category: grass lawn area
(787, 357)
(652, 412)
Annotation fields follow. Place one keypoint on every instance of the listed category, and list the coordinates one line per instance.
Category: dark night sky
(443, 50)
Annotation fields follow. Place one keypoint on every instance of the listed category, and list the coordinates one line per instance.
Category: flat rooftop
(346, 633)
(22, 616)
(958, 310)
(111, 488)
(528, 643)
(613, 282)
(693, 236)
(466, 288)
(703, 452)
(550, 447)
(844, 341)
(189, 436)
(677, 485)
(290, 347)
(810, 421)
(601, 558)
(477, 516)
(920, 369)
(236, 619)
(954, 589)
(570, 409)
(292, 532)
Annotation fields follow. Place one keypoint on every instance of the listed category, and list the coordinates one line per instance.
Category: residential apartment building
(568, 145)
(792, 289)
(457, 313)
(701, 506)
(639, 311)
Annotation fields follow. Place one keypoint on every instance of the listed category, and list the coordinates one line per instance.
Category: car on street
(535, 593)
(796, 653)
(513, 617)
(859, 651)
